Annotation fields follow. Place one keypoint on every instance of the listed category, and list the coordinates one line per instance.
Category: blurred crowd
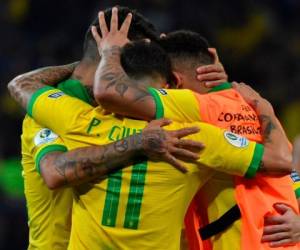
(258, 42)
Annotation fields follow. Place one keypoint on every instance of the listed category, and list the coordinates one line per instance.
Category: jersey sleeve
(296, 183)
(55, 110)
(178, 105)
(38, 141)
(227, 152)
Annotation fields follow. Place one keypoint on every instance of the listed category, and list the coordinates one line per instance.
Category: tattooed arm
(116, 92)
(23, 86)
(277, 155)
(91, 163)
(113, 88)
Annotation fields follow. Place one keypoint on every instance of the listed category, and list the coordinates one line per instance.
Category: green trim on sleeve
(159, 105)
(256, 160)
(47, 150)
(34, 96)
(297, 193)
(223, 86)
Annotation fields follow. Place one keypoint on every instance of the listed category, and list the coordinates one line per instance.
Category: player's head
(140, 28)
(187, 50)
(147, 63)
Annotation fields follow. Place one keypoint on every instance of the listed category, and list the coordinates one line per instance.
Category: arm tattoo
(85, 164)
(113, 76)
(22, 87)
(92, 163)
(267, 127)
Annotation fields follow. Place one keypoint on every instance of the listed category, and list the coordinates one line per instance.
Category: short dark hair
(140, 59)
(184, 46)
(140, 28)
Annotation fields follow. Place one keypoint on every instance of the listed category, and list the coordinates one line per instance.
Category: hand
(114, 37)
(253, 98)
(162, 145)
(282, 229)
(214, 74)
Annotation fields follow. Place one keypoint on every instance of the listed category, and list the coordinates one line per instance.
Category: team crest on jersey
(163, 91)
(56, 95)
(236, 140)
(44, 136)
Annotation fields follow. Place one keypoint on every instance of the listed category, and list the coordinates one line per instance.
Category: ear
(178, 80)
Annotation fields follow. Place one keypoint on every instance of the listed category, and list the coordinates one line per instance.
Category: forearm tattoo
(86, 164)
(112, 75)
(22, 87)
(92, 162)
(267, 126)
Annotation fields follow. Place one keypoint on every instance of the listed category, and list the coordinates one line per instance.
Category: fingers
(184, 153)
(212, 76)
(282, 208)
(184, 132)
(126, 24)
(159, 123)
(190, 144)
(114, 20)
(214, 53)
(211, 84)
(102, 24)
(210, 68)
(275, 229)
(174, 162)
(275, 237)
(274, 220)
(96, 35)
(281, 243)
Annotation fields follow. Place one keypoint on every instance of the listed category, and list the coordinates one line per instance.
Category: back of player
(225, 108)
(142, 206)
(49, 212)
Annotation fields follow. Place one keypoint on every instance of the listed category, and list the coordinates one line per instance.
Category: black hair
(140, 28)
(187, 48)
(140, 59)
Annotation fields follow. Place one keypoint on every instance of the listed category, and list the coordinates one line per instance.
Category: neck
(85, 73)
(155, 82)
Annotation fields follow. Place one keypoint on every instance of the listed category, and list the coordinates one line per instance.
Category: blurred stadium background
(258, 42)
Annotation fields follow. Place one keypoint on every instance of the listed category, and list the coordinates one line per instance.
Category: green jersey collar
(74, 88)
(223, 86)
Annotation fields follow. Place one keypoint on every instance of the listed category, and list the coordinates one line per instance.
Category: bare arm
(113, 88)
(296, 154)
(23, 86)
(277, 155)
(87, 164)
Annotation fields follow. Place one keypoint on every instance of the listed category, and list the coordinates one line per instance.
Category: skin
(85, 164)
(64, 166)
(110, 78)
(284, 229)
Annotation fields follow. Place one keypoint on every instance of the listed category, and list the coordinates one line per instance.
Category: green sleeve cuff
(159, 112)
(297, 193)
(34, 96)
(47, 150)
(256, 161)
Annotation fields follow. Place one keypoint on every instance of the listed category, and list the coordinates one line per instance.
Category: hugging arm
(277, 154)
(92, 163)
(23, 86)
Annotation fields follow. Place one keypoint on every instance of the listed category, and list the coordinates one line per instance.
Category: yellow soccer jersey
(142, 206)
(49, 212)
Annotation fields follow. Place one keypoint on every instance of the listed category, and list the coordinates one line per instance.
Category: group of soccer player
(143, 144)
